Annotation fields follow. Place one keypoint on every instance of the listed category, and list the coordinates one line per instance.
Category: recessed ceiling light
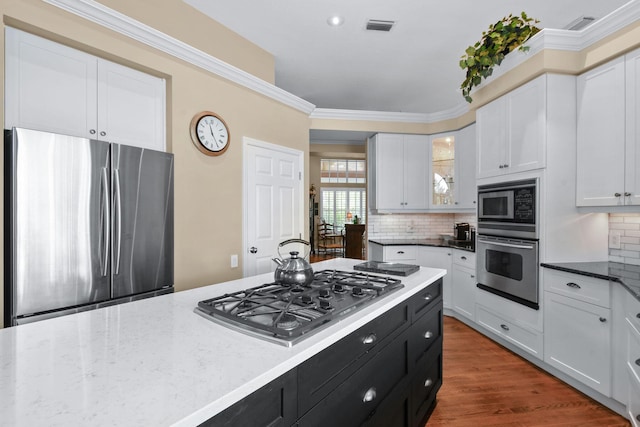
(335, 21)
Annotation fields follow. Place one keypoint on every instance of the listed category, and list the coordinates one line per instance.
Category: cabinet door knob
(617, 194)
(427, 297)
(501, 167)
(573, 285)
(428, 335)
(428, 382)
(472, 276)
(369, 395)
(103, 133)
(627, 194)
(92, 131)
(505, 327)
(369, 339)
(603, 319)
(506, 165)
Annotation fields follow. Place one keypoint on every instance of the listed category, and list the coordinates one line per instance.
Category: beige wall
(208, 190)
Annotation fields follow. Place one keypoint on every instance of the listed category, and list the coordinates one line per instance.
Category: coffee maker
(461, 231)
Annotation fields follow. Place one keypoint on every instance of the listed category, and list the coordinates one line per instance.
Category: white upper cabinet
(466, 190)
(511, 131)
(601, 136)
(609, 134)
(399, 172)
(52, 87)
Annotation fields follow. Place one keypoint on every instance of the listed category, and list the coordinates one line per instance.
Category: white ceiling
(413, 68)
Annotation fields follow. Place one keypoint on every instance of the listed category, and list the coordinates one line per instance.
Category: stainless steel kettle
(294, 270)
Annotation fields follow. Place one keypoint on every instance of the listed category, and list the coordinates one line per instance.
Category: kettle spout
(277, 261)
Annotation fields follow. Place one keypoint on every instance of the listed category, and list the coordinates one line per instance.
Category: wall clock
(210, 133)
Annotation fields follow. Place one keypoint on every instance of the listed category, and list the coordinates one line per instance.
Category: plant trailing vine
(504, 36)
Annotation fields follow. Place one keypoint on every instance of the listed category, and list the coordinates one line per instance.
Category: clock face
(210, 134)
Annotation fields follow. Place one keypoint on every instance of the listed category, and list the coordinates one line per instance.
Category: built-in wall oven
(507, 242)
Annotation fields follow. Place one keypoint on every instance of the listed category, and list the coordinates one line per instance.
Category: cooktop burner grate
(286, 314)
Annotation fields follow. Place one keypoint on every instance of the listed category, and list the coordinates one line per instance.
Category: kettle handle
(286, 242)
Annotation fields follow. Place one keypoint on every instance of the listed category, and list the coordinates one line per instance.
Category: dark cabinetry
(353, 240)
(273, 405)
(386, 373)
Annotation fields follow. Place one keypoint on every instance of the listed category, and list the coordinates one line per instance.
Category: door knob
(253, 250)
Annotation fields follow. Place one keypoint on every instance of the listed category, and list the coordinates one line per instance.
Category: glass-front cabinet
(453, 170)
(443, 170)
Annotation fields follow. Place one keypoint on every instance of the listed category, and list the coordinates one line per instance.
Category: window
(343, 171)
(336, 202)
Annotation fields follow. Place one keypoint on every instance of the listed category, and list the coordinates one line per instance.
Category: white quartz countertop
(155, 362)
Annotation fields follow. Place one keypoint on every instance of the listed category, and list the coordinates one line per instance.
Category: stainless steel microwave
(508, 209)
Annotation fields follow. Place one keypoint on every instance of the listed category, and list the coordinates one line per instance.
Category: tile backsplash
(415, 226)
(627, 225)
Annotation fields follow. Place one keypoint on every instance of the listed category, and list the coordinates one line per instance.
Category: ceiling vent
(378, 25)
(580, 23)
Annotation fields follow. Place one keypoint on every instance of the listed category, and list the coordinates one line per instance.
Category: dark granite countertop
(465, 245)
(628, 275)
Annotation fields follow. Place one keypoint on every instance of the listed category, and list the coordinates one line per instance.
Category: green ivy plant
(504, 36)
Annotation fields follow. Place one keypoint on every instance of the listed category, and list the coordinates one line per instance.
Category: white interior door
(273, 206)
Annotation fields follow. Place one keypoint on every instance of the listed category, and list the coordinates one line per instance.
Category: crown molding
(571, 41)
(389, 116)
(546, 39)
(125, 25)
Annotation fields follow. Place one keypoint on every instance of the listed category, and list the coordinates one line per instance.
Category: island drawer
(322, 373)
(425, 332)
(426, 383)
(422, 301)
(583, 288)
(355, 400)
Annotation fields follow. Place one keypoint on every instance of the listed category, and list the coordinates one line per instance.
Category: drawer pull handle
(369, 395)
(603, 319)
(428, 335)
(472, 276)
(464, 258)
(505, 327)
(400, 252)
(427, 297)
(638, 362)
(369, 339)
(573, 285)
(428, 382)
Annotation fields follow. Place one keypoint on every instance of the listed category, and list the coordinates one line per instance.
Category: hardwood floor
(486, 385)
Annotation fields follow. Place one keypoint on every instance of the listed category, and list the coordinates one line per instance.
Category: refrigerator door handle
(118, 213)
(106, 225)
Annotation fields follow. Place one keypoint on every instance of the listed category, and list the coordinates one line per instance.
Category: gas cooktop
(287, 314)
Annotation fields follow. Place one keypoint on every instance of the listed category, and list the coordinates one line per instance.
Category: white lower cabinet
(632, 359)
(436, 257)
(577, 334)
(529, 340)
(463, 283)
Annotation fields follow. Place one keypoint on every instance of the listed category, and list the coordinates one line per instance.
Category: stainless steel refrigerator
(87, 224)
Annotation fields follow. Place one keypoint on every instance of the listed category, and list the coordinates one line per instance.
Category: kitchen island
(155, 362)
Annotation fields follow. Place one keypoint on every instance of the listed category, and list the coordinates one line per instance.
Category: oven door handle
(508, 245)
